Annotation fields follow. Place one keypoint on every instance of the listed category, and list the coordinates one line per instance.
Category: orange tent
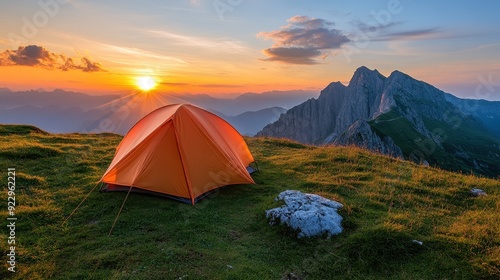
(180, 151)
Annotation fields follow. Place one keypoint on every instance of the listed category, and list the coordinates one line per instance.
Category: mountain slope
(487, 111)
(398, 116)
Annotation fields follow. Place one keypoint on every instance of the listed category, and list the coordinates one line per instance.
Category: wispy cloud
(202, 85)
(38, 56)
(195, 3)
(418, 34)
(367, 28)
(121, 54)
(221, 44)
(220, 86)
(385, 32)
(303, 41)
(138, 53)
(174, 84)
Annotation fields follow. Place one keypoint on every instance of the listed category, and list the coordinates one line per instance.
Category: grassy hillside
(466, 147)
(388, 203)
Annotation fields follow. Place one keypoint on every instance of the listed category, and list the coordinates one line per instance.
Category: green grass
(20, 130)
(468, 135)
(399, 129)
(387, 204)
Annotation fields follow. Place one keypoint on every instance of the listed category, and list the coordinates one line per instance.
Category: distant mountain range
(249, 123)
(401, 117)
(61, 111)
(247, 102)
(60, 98)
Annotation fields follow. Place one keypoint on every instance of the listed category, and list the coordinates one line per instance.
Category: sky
(235, 46)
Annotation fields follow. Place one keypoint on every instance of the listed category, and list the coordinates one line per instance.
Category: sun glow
(146, 83)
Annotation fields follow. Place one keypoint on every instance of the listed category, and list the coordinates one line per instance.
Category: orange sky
(191, 47)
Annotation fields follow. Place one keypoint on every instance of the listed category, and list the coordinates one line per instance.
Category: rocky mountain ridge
(398, 116)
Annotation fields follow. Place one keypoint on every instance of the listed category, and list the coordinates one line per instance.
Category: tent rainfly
(180, 151)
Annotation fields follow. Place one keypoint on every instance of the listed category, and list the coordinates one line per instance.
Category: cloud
(293, 55)
(430, 33)
(202, 85)
(382, 32)
(196, 3)
(174, 84)
(367, 28)
(303, 40)
(219, 44)
(37, 56)
(116, 54)
(220, 86)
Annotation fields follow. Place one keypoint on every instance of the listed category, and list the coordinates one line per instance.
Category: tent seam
(184, 167)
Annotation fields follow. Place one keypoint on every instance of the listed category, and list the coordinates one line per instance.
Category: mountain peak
(364, 69)
(364, 73)
(399, 74)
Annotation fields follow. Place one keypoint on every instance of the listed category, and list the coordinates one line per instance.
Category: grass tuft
(20, 130)
(382, 247)
(28, 151)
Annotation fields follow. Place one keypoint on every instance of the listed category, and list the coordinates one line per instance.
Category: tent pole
(116, 219)
(85, 198)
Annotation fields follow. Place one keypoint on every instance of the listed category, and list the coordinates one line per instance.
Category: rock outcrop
(361, 134)
(323, 120)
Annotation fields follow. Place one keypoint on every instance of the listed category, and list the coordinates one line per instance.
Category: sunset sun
(146, 83)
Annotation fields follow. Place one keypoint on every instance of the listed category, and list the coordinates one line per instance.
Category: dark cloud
(38, 56)
(292, 55)
(303, 40)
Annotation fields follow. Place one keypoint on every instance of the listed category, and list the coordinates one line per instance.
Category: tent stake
(116, 219)
(85, 198)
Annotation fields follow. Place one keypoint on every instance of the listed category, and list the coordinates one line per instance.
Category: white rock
(478, 192)
(418, 242)
(310, 214)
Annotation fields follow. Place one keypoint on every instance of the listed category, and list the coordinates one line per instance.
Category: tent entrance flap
(251, 169)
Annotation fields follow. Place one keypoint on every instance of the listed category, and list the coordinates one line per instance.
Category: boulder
(309, 214)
